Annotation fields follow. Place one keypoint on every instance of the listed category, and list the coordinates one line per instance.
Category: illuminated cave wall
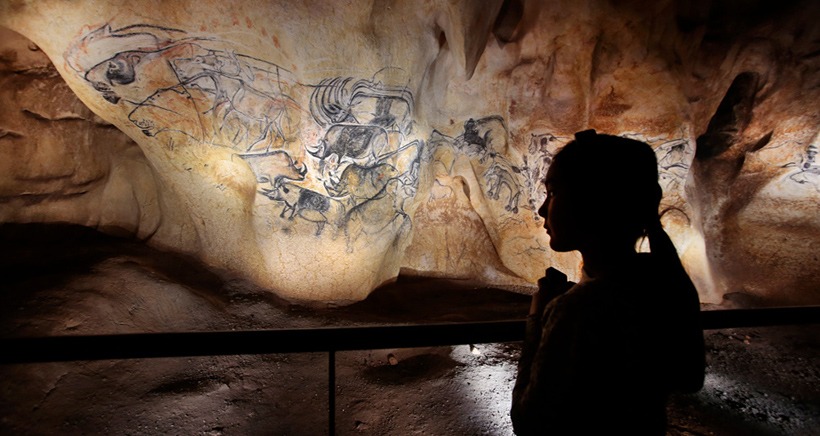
(318, 148)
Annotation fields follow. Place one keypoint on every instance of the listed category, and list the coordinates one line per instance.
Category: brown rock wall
(59, 161)
(318, 150)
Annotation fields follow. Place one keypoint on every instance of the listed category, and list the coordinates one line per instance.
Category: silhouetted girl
(602, 356)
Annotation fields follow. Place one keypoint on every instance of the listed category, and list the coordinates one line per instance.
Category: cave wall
(60, 162)
(318, 148)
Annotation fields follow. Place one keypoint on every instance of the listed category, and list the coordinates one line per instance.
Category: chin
(557, 245)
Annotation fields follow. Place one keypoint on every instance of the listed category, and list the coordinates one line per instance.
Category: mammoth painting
(319, 150)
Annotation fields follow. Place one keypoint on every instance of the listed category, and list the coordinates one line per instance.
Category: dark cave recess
(36, 256)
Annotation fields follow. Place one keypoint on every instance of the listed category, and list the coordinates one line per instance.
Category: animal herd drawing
(365, 161)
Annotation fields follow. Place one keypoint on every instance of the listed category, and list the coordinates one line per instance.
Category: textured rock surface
(318, 148)
(59, 161)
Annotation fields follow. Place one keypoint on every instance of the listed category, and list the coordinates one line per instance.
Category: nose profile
(542, 211)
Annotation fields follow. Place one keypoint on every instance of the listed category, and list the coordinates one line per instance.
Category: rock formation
(318, 148)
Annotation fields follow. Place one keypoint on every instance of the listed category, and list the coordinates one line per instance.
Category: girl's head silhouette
(602, 195)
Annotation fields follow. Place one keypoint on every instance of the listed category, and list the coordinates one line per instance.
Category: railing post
(331, 392)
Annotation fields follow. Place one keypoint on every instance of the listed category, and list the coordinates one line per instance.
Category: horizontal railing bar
(148, 345)
(763, 317)
(220, 343)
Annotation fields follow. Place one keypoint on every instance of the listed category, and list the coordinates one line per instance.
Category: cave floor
(61, 280)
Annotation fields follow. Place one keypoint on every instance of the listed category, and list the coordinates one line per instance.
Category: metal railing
(220, 343)
(329, 339)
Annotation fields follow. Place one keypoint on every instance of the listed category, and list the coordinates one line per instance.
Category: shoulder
(585, 293)
(580, 302)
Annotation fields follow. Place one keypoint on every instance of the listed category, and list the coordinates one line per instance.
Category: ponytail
(684, 358)
(662, 248)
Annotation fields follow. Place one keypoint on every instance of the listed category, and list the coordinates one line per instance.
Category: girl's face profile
(560, 213)
(602, 193)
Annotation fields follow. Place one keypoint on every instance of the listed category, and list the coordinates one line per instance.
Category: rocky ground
(62, 280)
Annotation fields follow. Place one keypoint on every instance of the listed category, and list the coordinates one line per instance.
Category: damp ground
(63, 280)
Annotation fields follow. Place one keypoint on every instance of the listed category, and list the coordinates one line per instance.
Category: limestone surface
(320, 148)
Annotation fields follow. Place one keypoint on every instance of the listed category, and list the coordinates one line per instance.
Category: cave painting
(481, 142)
(807, 170)
(319, 150)
(181, 88)
(536, 164)
(359, 176)
(673, 163)
(177, 85)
